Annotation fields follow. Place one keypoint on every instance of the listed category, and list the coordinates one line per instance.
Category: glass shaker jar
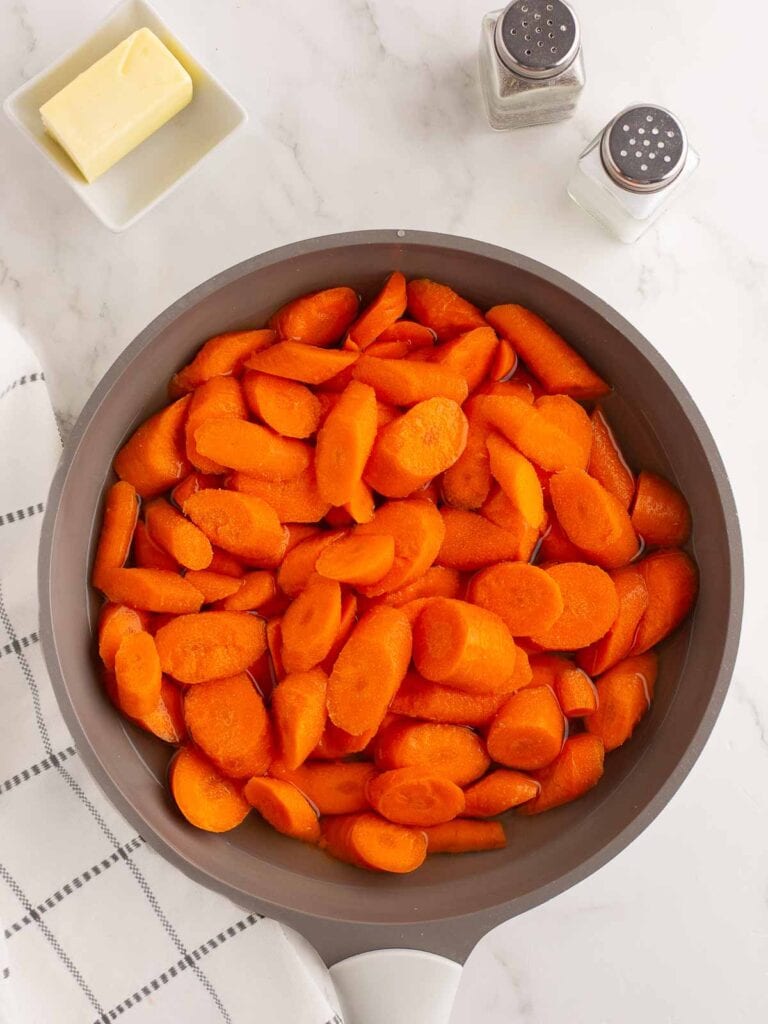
(633, 169)
(531, 63)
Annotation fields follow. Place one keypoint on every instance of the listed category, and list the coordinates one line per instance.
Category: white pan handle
(396, 986)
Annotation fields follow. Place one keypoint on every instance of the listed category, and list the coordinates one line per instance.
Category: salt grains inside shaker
(531, 64)
(633, 169)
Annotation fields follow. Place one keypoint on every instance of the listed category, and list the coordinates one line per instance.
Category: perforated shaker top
(537, 38)
(644, 148)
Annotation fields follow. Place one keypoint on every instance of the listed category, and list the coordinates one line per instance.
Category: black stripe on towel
(28, 378)
(21, 513)
(52, 761)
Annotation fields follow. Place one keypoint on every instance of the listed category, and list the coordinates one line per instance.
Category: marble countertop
(365, 114)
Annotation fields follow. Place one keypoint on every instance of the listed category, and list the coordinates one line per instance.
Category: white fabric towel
(94, 925)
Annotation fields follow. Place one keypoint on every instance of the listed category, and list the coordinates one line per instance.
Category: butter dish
(144, 176)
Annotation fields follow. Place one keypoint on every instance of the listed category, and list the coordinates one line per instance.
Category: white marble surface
(366, 113)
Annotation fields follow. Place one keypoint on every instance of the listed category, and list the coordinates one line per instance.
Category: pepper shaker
(633, 169)
(531, 63)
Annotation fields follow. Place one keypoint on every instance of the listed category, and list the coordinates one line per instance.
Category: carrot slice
(504, 362)
(137, 670)
(625, 693)
(556, 546)
(295, 500)
(437, 581)
(166, 719)
(210, 645)
(420, 698)
(406, 383)
(184, 541)
(311, 625)
(228, 721)
(333, 788)
(558, 366)
(147, 554)
(573, 773)
(252, 448)
(593, 519)
(121, 511)
(153, 458)
(284, 807)
(617, 642)
(497, 792)
(415, 796)
(369, 669)
(660, 514)
(416, 447)
(344, 443)
(467, 482)
(116, 621)
(299, 563)
(355, 559)
(450, 750)
(191, 485)
(240, 523)
(401, 338)
(441, 309)
(371, 842)
(554, 433)
(296, 361)
(517, 479)
(254, 590)
(606, 462)
(298, 711)
(472, 541)
(348, 620)
(672, 582)
(220, 356)
(524, 597)
(590, 607)
(463, 646)
(204, 796)
(151, 590)
(522, 386)
(226, 563)
(464, 836)
(381, 313)
(220, 398)
(214, 586)
(528, 731)
(499, 509)
(360, 506)
(470, 355)
(290, 408)
(320, 318)
(575, 692)
(418, 531)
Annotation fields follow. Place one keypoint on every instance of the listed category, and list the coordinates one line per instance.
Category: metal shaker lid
(644, 148)
(537, 38)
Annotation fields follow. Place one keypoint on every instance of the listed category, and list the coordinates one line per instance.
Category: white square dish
(142, 178)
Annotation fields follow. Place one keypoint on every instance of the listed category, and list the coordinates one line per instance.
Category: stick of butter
(117, 103)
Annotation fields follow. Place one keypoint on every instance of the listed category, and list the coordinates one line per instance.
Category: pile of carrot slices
(384, 574)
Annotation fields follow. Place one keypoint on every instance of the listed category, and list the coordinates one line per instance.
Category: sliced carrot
(251, 448)
(467, 482)
(311, 625)
(371, 842)
(275, 647)
(121, 511)
(296, 361)
(296, 500)
(191, 484)
(185, 542)
(381, 312)
(166, 719)
(214, 586)
(335, 743)
(299, 563)
(593, 519)
(298, 712)
(521, 386)
(554, 433)
(416, 447)
(470, 355)
(116, 621)
(504, 362)
(617, 642)
(497, 792)
(660, 513)
(369, 669)
(320, 318)
(210, 645)
(517, 479)
(606, 462)
(499, 509)
(590, 607)
(418, 531)
(419, 698)
(254, 590)
(137, 670)
(226, 563)
(147, 554)
(405, 383)
(415, 796)
(151, 590)
(441, 309)
(357, 559)
(528, 731)
(288, 407)
(524, 597)
(220, 398)
(346, 625)
(556, 546)
(401, 338)
(573, 773)
(344, 443)
(464, 836)
(463, 646)
(625, 693)
(672, 582)
(333, 788)
(284, 807)
(558, 366)
(220, 356)
(575, 692)
(437, 581)
(204, 796)
(228, 721)
(450, 750)
(360, 506)
(153, 458)
(242, 524)
(472, 541)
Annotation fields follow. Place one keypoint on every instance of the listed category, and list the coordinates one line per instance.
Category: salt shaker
(531, 63)
(633, 169)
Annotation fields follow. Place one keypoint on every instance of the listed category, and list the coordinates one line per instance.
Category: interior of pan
(658, 428)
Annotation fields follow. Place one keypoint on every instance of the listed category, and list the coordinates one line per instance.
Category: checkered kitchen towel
(94, 926)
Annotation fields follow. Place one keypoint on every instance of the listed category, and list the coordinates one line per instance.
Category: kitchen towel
(94, 925)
